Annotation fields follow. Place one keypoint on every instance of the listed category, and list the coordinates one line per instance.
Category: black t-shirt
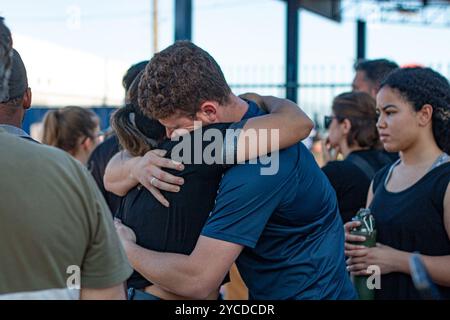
(411, 220)
(177, 228)
(97, 164)
(351, 183)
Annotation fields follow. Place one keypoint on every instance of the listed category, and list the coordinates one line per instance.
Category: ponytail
(65, 128)
(130, 137)
(51, 128)
(136, 132)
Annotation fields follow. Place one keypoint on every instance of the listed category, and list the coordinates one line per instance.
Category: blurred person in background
(368, 76)
(16, 98)
(370, 73)
(73, 129)
(410, 200)
(353, 133)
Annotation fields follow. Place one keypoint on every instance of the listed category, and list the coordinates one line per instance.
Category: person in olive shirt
(57, 237)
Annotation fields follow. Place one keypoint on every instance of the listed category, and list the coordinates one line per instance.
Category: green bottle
(366, 229)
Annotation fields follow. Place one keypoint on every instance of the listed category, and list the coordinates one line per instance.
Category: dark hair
(420, 86)
(136, 132)
(131, 74)
(179, 79)
(5, 58)
(64, 127)
(376, 70)
(360, 109)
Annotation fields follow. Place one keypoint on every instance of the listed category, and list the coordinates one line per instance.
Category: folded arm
(118, 178)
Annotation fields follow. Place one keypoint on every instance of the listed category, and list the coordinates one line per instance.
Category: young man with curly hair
(283, 230)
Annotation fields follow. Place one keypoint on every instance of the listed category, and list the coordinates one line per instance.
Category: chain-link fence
(317, 87)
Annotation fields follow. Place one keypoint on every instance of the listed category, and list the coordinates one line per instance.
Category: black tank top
(177, 228)
(411, 220)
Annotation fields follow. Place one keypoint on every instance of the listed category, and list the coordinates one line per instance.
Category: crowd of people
(195, 181)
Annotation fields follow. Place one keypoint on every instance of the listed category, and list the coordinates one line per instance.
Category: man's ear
(208, 111)
(26, 104)
(425, 115)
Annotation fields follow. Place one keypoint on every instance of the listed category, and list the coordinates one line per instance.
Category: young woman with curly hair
(410, 200)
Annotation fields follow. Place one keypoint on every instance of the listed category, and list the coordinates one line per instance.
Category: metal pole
(361, 29)
(183, 20)
(292, 44)
(155, 26)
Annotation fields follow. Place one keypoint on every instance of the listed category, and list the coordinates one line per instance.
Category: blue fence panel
(36, 114)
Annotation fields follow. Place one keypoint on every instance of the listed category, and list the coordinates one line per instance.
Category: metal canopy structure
(434, 13)
(419, 12)
(330, 9)
(326, 8)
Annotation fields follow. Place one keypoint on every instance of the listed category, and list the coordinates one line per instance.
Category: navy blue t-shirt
(289, 225)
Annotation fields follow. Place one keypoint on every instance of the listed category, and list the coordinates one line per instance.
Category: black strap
(385, 159)
(362, 164)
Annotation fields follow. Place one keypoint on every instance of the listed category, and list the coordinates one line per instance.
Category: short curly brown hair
(179, 79)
